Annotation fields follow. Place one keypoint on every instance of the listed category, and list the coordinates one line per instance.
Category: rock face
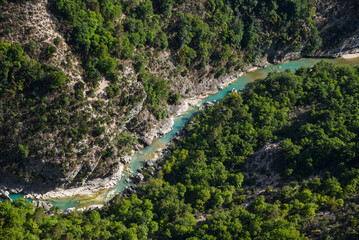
(61, 162)
(208, 104)
(130, 190)
(338, 24)
(161, 129)
(259, 167)
(33, 22)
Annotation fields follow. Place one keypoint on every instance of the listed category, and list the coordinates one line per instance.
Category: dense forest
(205, 191)
(221, 33)
(82, 83)
(62, 128)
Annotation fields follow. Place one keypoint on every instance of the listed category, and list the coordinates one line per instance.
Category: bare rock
(208, 104)
(5, 195)
(139, 178)
(150, 163)
(125, 159)
(67, 211)
(94, 207)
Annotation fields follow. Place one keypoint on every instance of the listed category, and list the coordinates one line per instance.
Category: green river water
(160, 143)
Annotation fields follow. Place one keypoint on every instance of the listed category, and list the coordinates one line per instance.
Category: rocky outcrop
(94, 207)
(139, 178)
(126, 159)
(42, 204)
(259, 168)
(159, 130)
(150, 163)
(69, 210)
(4, 194)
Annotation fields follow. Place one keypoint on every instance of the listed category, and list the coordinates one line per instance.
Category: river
(160, 143)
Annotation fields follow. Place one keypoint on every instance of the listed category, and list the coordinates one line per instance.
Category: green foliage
(57, 41)
(31, 46)
(187, 55)
(174, 98)
(56, 79)
(157, 94)
(200, 193)
(23, 151)
(50, 51)
(20, 74)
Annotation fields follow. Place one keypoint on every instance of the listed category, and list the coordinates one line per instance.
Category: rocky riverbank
(94, 186)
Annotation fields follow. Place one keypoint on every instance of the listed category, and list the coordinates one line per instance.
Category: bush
(23, 151)
(31, 46)
(57, 40)
(174, 98)
(50, 51)
(57, 80)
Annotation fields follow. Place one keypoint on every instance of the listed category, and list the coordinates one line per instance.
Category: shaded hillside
(338, 25)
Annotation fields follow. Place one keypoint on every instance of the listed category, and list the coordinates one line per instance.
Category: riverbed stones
(233, 90)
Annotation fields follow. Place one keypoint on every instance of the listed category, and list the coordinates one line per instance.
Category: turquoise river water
(160, 143)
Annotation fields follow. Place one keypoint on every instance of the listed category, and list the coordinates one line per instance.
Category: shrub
(23, 151)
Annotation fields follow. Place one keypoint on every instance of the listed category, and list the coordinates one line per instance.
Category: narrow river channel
(160, 143)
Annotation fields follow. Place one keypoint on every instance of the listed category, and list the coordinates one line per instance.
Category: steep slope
(338, 25)
(66, 132)
(98, 78)
(306, 121)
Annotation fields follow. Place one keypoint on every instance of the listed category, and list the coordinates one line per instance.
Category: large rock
(208, 104)
(130, 190)
(67, 211)
(139, 178)
(5, 195)
(150, 163)
(125, 159)
(42, 204)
